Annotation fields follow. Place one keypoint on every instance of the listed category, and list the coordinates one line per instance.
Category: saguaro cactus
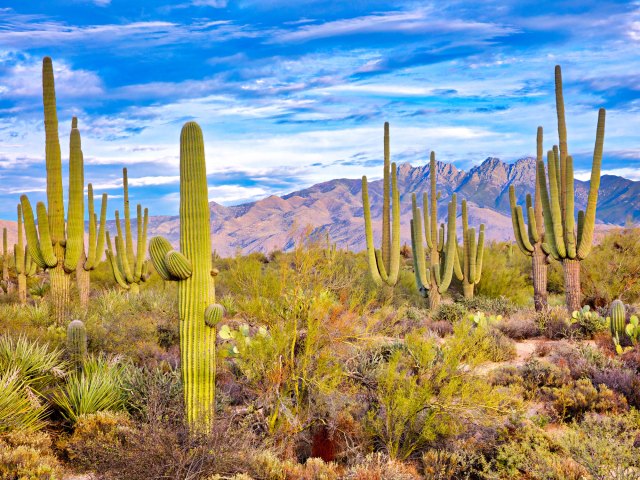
(563, 240)
(384, 264)
(532, 241)
(77, 343)
(129, 269)
(25, 266)
(472, 255)
(433, 280)
(51, 245)
(192, 269)
(89, 260)
(6, 280)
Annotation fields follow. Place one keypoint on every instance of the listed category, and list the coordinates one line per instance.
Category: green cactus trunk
(467, 289)
(22, 288)
(192, 270)
(539, 264)
(60, 285)
(573, 293)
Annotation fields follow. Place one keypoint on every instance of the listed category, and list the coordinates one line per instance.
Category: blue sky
(293, 93)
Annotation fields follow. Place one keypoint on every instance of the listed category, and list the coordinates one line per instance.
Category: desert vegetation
(438, 360)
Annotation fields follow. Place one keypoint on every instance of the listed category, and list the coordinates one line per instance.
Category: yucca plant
(99, 386)
(18, 412)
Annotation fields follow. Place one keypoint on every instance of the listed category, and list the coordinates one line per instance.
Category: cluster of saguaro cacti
(384, 264)
(90, 259)
(531, 241)
(565, 241)
(472, 255)
(192, 269)
(25, 266)
(433, 279)
(129, 269)
(51, 245)
(5, 282)
(77, 343)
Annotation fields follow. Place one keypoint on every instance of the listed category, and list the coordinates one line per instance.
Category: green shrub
(493, 306)
(451, 312)
(574, 399)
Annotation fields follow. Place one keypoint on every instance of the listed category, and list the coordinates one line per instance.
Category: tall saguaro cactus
(51, 245)
(129, 269)
(192, 269)
(433, 280)
(472, 255)
(531, 239)
(25, 266)
(565, 241)
(384, 264)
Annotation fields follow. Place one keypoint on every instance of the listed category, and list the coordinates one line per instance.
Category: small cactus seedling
(384, 264)
(191, 268)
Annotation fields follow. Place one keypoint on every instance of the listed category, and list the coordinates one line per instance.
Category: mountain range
(335, 207)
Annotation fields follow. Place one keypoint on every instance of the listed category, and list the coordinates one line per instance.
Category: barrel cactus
(77, 343)
(564, 240)
(25, 266)
(618, 319)
(384, 264)
(192, 269)
(433, 280)
(54, 244)
(129, 269)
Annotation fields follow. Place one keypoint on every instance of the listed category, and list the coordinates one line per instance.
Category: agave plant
(18, 412)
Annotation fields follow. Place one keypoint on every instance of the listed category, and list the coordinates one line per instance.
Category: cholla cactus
(384, 264)
(191, 268)
(532, 241)
(51, 245)
(77, 343)
(562, 239)
(89, 260)
(25, 266)
(433, 280)
(129, 269)
(472, 255)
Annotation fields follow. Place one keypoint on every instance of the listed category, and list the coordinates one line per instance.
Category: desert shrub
(441, 464)
(422, 389)
(574, 399)
(154, 394)
(554, 323)
(120, 449)
(28, 455)
(621, 380)
(537, 374)
(494, 306)
(505, 277)
(532, 453)
(378, 466)
(612, 268)
(606, 446)
(451, 312)
(498, 347)
(267, 465)
(519, 326)
(441, 328)
(98, 387)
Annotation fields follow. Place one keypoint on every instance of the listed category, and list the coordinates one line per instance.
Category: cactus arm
(569, 214)
(420, 263)
(102, 228)
(18, 250)
(562, 135)
(371, 252)
(445, 280)
(522, 228)
(178, 265)
(91, 254)
(386, 203)
(75, 220)
(580, 224)
(30, 265)
(395, 229)
(457, 268)
(31, 232)
(433, 200)
(380, 266)
(537, 204)
(142, 241)
(518, 233)
(128, 238)
(480, 254)
(472, 252)
(426, 220)
(121, 253)
(441, 239)
(421, 280)
(158, 248)
(115, 263)
(585, 241)
(556, 212)
(546, 209)
(46, 243)
(534, 233)
(55, 199)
